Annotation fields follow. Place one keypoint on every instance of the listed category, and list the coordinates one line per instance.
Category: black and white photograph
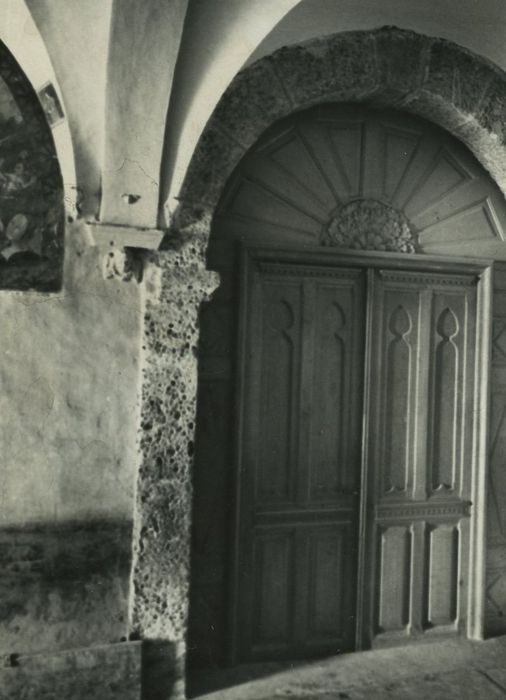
(253, 350)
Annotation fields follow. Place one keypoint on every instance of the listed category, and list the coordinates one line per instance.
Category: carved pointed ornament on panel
(398, 400)
(445, 402)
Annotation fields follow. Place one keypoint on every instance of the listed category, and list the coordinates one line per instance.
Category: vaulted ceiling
(139, 80)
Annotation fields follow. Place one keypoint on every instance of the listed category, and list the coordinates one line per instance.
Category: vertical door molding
(477, 564)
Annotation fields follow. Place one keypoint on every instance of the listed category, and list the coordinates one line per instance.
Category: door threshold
(361, 669)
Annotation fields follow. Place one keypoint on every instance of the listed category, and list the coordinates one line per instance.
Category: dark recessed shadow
(201, 680)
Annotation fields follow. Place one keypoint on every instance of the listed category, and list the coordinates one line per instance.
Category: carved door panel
(420, 451)
(300, 461)
(359, 443)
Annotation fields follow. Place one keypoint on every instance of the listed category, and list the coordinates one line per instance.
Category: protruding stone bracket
(124, 249)
(114, 235)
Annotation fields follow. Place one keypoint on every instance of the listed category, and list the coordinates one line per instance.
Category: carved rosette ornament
(367, 224)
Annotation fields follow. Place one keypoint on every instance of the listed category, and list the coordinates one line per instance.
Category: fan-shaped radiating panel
(302, 180)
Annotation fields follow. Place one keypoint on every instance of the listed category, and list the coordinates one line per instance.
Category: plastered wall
(69, 374)
(69, 377)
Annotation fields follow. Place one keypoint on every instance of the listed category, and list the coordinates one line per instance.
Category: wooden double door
(361, 378)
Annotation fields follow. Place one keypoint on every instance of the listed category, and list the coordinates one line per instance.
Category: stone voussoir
(456, 77)
(254, 101)
(402, 58)
(433, 78)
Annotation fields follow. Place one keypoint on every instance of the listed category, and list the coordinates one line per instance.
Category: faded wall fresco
(31, 193)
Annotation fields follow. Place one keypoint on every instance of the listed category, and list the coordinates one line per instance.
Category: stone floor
(446, 670)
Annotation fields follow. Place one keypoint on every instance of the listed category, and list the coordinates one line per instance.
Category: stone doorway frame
(433, 78)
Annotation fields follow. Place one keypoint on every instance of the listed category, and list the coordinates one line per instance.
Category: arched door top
(390, 67)
(362, 178)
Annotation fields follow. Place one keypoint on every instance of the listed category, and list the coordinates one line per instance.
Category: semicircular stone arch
(389, 67)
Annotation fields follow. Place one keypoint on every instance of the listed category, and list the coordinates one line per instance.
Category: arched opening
(317, 185)
(459, 91)
(433, 78)
(31, 187)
